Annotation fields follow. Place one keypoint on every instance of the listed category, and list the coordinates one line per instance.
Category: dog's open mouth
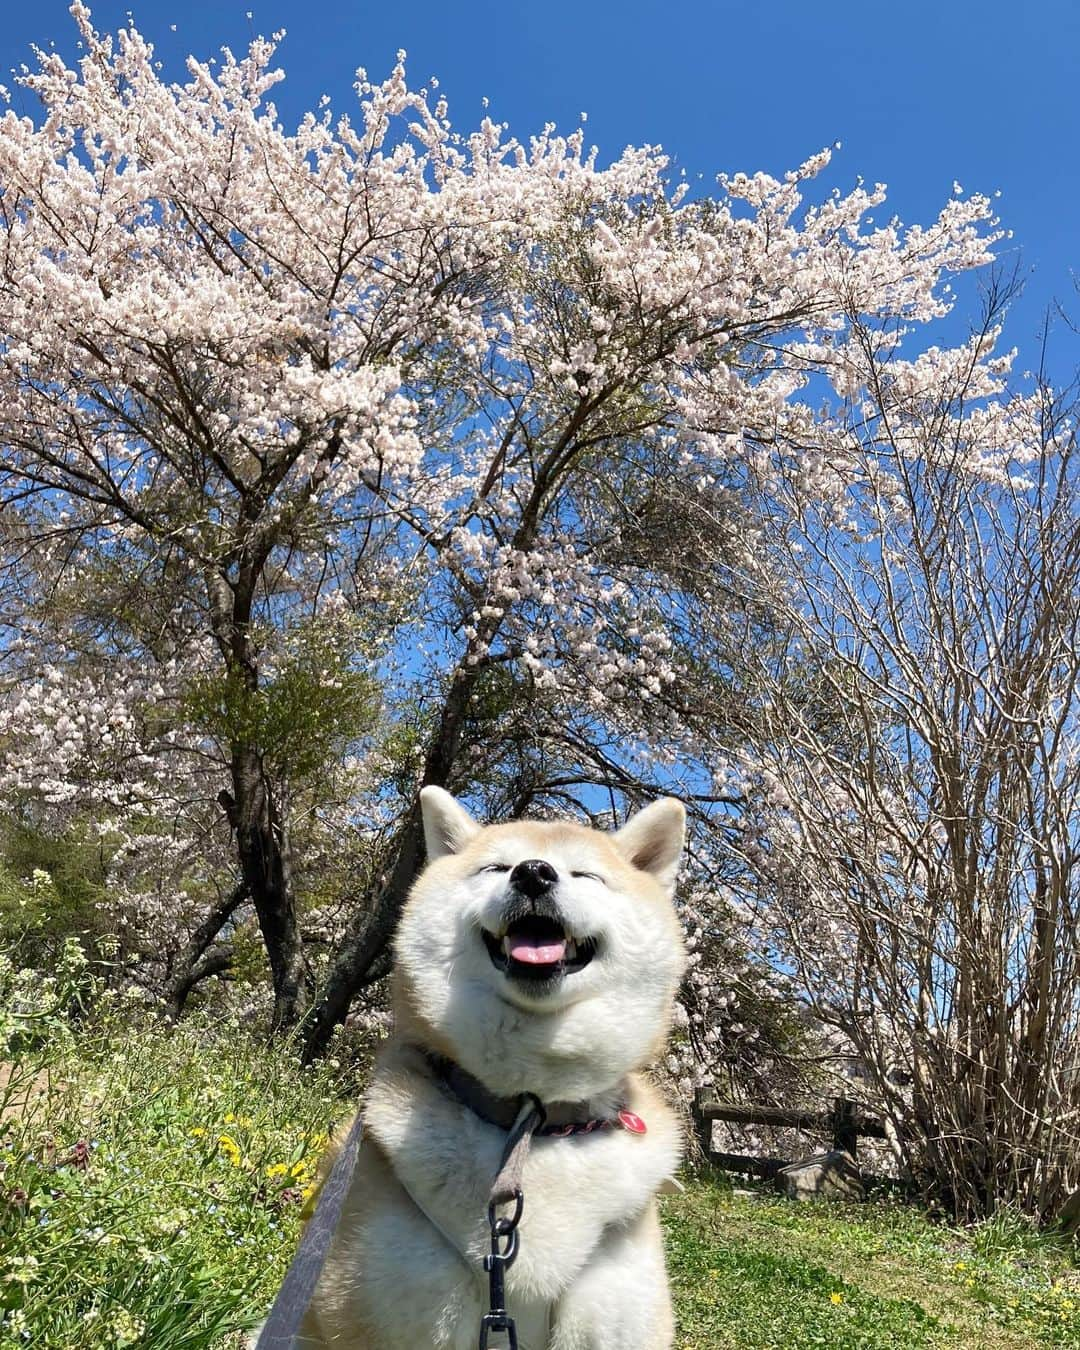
(538, 948)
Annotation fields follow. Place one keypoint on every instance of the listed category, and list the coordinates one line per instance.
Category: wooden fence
(841, 1126)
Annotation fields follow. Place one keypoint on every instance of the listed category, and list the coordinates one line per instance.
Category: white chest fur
(575, 1188)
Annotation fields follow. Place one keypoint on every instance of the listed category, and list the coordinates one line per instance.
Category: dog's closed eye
(494, 867)
(590, 876)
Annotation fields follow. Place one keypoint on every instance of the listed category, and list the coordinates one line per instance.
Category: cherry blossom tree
(485, 413)
(202, 320)
(913, 764)
(631, 380)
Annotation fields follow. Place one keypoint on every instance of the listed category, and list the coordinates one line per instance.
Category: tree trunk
(371, 931)
(368, 937)
(262, 846)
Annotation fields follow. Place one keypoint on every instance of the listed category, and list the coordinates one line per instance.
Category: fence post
(845, 1133)
(702, 1125)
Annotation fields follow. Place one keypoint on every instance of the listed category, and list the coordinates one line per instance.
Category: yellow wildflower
(836, 1298)
(230, 1148)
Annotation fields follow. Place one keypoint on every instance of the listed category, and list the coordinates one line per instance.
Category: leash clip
(504, 1248)
(498, 1322)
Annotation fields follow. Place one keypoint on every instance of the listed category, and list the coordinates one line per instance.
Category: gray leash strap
(507, 1185)
(506, 1190)
(282, 1327)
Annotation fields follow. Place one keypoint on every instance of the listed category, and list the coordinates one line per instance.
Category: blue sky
(920, 94)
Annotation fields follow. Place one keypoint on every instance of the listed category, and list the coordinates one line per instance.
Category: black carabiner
(504, 1248)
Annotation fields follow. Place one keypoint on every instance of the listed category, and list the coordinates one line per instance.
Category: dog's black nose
(533, 877)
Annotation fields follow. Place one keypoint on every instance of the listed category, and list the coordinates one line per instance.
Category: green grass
(171, 1223)
(758, 1271)
(151, 1180)
(151, 1183)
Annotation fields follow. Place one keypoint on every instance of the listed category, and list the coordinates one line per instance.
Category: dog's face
(542, 956)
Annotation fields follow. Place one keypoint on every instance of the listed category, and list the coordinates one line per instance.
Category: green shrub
(51, 886)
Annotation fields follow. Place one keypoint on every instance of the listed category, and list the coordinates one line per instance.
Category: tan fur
(404, 1269)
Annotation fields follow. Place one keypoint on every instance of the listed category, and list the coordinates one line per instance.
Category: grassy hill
(151, 1183)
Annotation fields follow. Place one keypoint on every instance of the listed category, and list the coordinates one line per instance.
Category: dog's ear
(653, 840)
(448, 827)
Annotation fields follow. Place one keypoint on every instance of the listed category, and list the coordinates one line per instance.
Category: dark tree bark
(183, 977)
(262, 845)
(372, 931)
(216, 962)
(253, 809)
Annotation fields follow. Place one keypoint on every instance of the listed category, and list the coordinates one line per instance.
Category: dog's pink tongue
(536, 953)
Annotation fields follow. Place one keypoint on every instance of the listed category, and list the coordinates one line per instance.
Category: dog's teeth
(571, 950)
(506, 945)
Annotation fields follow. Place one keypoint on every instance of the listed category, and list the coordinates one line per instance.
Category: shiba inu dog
(532, 958)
